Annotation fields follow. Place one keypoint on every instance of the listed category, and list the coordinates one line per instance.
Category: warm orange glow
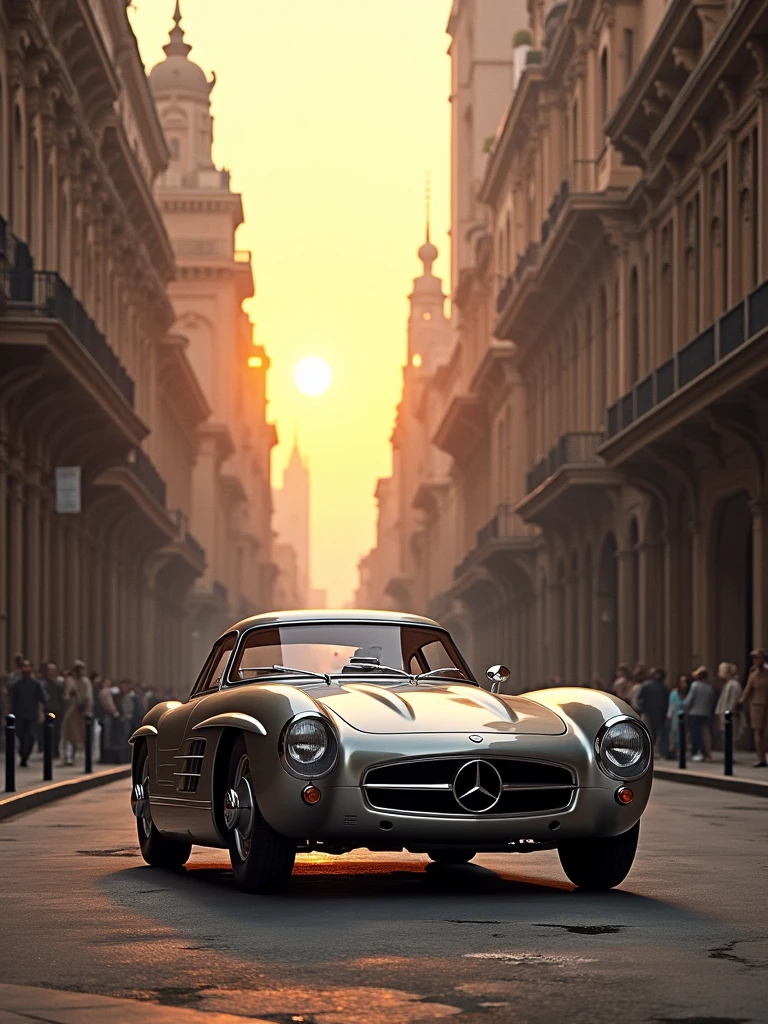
(625, 795)
(313, 376)
(255, 362)
(416, 360)
(329, 116)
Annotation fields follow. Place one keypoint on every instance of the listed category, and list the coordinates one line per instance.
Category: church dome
(428, 253)
(177, 73)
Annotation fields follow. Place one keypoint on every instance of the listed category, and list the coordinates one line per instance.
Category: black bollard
(88, 744)
(48, 727)
(728, 752)
(10, 753)
(681, 739)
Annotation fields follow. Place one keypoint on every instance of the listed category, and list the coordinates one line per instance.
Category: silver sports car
(336, 730)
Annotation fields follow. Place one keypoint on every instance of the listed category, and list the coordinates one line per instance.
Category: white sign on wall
(68, 497)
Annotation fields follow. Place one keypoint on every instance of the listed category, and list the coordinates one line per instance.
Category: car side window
(213, 671)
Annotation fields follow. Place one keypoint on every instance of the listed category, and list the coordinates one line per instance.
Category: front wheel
(599, 863)
(451, 856)
(262, 860)
(157, 850)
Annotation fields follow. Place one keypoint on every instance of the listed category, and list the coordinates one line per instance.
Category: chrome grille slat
(426, 786)
(191, 765)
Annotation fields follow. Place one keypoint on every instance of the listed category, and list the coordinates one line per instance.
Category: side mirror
(498, 674)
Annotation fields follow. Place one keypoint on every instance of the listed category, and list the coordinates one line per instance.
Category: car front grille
(445, 785)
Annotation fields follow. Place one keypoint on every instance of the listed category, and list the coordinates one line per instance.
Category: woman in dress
(757, 689)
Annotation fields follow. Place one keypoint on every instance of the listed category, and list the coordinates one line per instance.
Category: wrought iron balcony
(574, 449)
(43, 293)
(726, 335)
(503, 524)
(140, 464)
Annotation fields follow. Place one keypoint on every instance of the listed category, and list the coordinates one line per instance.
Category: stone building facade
(620, 280)
(95, 371)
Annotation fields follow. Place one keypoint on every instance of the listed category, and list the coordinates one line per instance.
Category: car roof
(333, 615)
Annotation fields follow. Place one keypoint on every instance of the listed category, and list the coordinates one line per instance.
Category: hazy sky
(329, 115)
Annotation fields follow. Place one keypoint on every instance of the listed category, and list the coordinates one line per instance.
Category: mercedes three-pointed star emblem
(477, 787)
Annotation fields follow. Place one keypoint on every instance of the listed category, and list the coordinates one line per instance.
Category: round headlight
(309, 746)
(624, 750)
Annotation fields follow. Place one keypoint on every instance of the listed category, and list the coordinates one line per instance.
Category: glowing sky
(329, 115)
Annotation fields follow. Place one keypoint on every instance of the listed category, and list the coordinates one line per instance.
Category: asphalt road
(364, 938)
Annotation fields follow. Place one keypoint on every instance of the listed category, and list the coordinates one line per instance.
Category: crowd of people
(703, 702)
(72, 695)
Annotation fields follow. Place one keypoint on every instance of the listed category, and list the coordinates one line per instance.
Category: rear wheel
(451, 856)
(599, 863)
(262, 859)
(157, 850)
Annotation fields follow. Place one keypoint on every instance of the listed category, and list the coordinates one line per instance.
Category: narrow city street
(369, 938)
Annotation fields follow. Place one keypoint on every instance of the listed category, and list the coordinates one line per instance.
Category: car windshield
(341, 648)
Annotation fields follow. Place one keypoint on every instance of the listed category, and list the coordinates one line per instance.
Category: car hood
(430, 708)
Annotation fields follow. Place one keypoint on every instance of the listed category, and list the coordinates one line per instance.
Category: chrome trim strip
(426, 787)
(169, 801)
(188, 757)
(509, 787)
(469, 757)
(143, 730)
(232, 720)
(187, 775)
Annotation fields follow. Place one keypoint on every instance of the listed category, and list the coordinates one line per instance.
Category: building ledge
(728, 355)
(179, 381)
(461, 427)
(428, 495)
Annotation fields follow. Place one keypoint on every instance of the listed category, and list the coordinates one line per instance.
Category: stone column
(16, 568)
(74, 593)
(585, 600)
(4, 555)
(701, 594)
(46, 575)
(627, 605)
(759, 573)
(97, 613)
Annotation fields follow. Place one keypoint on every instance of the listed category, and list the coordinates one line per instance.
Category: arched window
(16, 203)
(35, 200)
(603, 88)
(633, 333)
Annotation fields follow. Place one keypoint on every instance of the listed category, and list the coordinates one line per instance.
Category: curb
(18, 803)
(726, 782)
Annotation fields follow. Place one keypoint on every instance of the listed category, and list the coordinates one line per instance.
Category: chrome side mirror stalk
(498, 674)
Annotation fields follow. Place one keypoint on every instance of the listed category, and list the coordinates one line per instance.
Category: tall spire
(176, 47)
(429, 198)
(428, 252)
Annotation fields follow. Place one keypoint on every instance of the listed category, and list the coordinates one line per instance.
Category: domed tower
(428, 327)
(183, 97)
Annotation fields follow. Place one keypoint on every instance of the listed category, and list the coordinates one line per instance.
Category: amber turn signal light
(311, 795)
(624, 795)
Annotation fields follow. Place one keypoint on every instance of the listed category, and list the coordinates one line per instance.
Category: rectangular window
(629, 54)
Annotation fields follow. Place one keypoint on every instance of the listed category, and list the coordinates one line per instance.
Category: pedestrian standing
(623, 681)
(729, 698)
(28, 703)
(79, 698)
(55, 702)
(757, 689)
(652, 701)
(640, 675)
(674, 707)
(699, 704)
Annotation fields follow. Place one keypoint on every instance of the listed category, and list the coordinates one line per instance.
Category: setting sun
(313, 376)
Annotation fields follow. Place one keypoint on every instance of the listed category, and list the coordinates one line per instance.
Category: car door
(181, 753)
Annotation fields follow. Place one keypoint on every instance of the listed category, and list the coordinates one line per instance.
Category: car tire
(157, 850)
(262, 859)
(599, 864)
(451, 856)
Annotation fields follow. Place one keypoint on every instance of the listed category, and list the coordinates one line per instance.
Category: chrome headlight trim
(646, 759)
(324, 765)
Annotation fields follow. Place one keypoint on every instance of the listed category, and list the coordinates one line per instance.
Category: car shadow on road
(380, 886)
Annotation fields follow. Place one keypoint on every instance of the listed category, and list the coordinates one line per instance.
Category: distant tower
(429, 336)
(292, 517)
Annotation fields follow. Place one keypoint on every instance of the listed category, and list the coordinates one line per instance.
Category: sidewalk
(745, 778)
(31, 791)
(20, 1004)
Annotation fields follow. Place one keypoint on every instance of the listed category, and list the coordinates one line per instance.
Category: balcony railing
(43, 293)
(728, 333)
(575, 449)
(503, 524)
(140, 464)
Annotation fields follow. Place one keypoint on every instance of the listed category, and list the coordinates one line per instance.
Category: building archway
(607, 654)
(733, 580)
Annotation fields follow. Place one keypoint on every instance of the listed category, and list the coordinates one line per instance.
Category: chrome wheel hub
(238, 808)
(140, 805)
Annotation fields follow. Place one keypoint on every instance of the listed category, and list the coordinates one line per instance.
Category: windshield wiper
(363, 667)
(435, 673)
(288, 671)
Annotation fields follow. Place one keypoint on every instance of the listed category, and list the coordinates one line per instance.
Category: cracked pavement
(369, 938)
